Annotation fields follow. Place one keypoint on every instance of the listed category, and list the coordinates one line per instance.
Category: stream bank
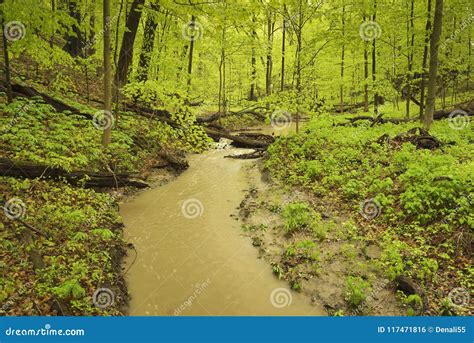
(316, 264)
(191, 257)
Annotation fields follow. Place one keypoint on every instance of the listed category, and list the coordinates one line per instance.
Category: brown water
(192, 258)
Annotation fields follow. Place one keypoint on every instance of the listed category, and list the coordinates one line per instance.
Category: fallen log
(60, 106)
(258, 137)
(239, 141)
(177, 162)
(248, 156)
(29, 170)
(377, 120)
(467, 107)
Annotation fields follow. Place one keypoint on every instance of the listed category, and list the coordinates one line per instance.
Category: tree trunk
(298, 59)
(268, 76)
(366, 76)
(222, 81)
(342, 58)
(7, 61)
(425, 61)
(410, 29)
(191, 52)
(253, 80)
(374, 67)
(128, 40)
(283, 42)
(91, 46)
(431, 97)
(106, 137)
(148, 43)
(75, 43)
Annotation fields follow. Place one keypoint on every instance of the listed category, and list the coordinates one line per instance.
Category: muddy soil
(343, 252)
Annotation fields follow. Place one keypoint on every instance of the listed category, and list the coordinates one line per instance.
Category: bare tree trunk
(298, 60)
(191, 52)
(342, 58)
(283, 42)
(410, 29)
(7, 61)
(75, 42)
(106, 138)
(148, 43)
(434, 44)
(425, 61)
(366, 76)
(90, 46)
(268, 76)
(128, 40)
(252, 96)
(469, 47)
(374, 66)
(222, 90)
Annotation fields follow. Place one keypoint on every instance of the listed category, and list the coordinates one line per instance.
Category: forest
(236, 157)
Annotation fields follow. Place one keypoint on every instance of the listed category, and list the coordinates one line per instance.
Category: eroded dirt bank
(316, 264)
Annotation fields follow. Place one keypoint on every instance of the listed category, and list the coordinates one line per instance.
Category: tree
(411, 47)
(269, 66)
(191, 51)
(7, 60)
(253, 80)
(283, 48)
(343, 22)
(425, 60)
(75, 41)
(148, 42)
(128, 40)
(106, 138)
(434, 45)
(374, 64)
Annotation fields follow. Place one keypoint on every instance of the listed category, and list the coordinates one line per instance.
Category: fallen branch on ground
(248, 156)
(29, 170)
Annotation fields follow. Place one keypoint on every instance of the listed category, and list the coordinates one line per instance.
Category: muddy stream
(192, 257)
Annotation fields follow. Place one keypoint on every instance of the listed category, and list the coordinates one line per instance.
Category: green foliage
(82, 240)
(414, 303)
(69, 288)
(357, 290)
(305, 249)
(299, 216)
